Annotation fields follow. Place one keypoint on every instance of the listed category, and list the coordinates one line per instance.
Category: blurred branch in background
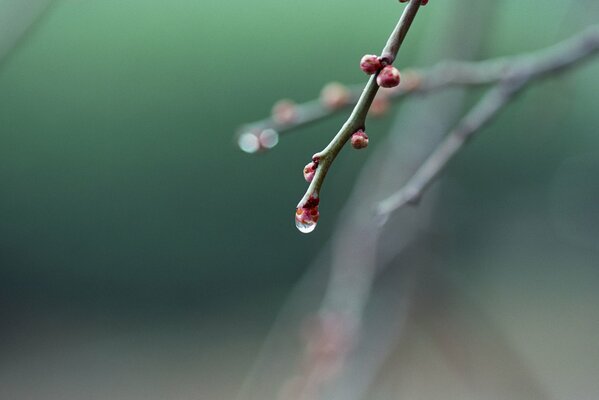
(17, 18)
(513, 76)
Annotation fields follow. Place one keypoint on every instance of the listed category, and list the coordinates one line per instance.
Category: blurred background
(144, 256)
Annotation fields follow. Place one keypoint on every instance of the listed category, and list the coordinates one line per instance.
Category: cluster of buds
(388, 75)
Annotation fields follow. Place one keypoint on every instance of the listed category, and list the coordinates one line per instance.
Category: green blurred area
(123, 190)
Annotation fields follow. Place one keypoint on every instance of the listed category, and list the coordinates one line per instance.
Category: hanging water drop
(303, 223)
(306, 215)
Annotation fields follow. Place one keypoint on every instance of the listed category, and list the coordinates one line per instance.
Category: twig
(358, 116)
(515, 77)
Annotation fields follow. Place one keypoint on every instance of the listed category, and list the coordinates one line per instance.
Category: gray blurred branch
(514, 75)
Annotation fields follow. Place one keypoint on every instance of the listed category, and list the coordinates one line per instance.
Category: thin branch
(495, 99)
(358, 116)
(516, 77)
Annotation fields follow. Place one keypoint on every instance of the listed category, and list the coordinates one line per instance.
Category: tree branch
(358, 116)
(516, 76)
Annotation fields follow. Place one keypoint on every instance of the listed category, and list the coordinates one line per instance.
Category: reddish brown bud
(335, 95)
(310, 171)
(359, 140)
(370, 64)
(388, 77)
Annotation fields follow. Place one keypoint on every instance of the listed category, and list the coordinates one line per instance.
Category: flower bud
(388, 77)
(310, 171)
(370, 64)
(359, 140)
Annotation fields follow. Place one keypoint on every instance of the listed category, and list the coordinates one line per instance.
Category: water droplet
(268, 138)
(305, 227)
(306, 219)
(249, 142)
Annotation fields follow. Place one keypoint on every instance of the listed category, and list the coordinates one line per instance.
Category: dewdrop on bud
(306, 215)
(359, 140)
(284, 112)
(388, 77)
(335, 95)
(370, 64)
(306, 219)
(310, 171)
